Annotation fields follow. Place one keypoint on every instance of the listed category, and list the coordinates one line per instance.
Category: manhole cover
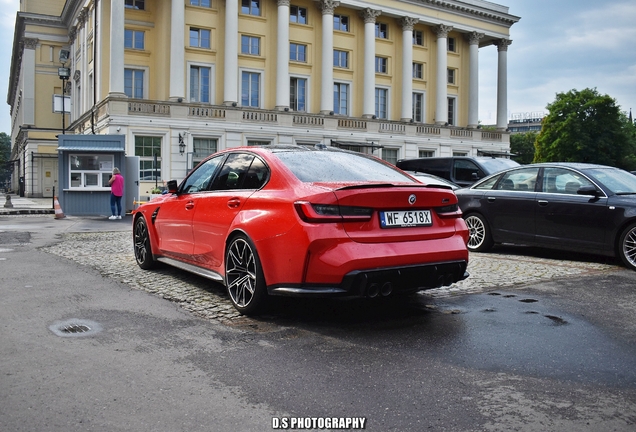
(75, 328)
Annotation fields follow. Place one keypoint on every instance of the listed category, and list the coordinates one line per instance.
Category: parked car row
(319, 221)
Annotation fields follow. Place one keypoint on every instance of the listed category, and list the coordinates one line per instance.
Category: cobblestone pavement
(111, 253)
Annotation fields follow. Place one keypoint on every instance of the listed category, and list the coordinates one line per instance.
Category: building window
(298, 94)
(251, 89)
(251, 7)
(341, 98)
(148, 149)
(418, 38)
(199, 84)
(340, 59)
(451, 110)
(258, 143)
(425, 153)
(341, 22)
(451, 76)
(134, 4)
(134, 83)
(250, 45)
(390, 155)
(418, 70)
(134, 39)
(451, 44)
(381, 65)
(199, 38)
(381, 103)
(456, 153)
(202, 3)
(90, 171)
(418, 107)
(381, 30)
(298, 52)
(297, 14)
(202, 148)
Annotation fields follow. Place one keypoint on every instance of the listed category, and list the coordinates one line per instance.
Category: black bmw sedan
(568, 206)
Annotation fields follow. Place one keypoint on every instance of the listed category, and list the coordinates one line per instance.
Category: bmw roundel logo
(412, 199)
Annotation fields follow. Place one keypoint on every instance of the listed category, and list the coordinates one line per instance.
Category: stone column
(326, 86)
(177, 51)
(407, 24)
(230, 62)
(441, 104)
(282, 56)
(368, 101)
(473, 82)
(502, 84)
(116, 70)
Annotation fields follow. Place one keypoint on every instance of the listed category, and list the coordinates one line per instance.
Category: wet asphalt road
(555, 355)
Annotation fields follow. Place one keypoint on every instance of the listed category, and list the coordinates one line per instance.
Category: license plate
(397, 219)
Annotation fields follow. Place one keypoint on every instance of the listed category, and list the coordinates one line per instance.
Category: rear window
(331, 166)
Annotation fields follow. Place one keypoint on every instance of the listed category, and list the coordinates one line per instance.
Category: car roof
(575, 165)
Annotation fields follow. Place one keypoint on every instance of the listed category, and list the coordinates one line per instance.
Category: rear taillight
(449, 211)
(331, 213)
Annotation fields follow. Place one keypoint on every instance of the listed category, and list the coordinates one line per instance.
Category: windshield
(616, 180)
(329, 166)
(494, 165)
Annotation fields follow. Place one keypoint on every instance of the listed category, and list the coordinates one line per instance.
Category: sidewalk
(23, 205)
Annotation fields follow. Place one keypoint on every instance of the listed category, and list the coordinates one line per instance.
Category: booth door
(131, 182)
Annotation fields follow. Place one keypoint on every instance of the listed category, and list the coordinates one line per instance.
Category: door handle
(233, 202)
(542, 203)
(491, 199)
(189, 205)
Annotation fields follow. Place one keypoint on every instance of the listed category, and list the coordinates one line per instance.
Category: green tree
(5, 156)
(584, 126)
(522, 146)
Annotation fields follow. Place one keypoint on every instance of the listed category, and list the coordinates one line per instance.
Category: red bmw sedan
(304, 221)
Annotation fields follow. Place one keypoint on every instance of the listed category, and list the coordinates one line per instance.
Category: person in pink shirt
(116, 183)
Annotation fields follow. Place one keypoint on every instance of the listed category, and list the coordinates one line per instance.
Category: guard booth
(86, 163)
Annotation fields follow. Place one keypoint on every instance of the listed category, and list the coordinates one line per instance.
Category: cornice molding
(467, 9)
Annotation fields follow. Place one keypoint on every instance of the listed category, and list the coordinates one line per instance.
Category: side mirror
(588, 190)
(172, 186)
(475, 176)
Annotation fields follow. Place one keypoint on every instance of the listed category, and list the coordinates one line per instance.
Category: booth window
(90, 170)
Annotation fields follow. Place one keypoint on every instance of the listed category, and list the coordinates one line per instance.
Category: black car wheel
(244, 276)
(141, 239)
(480, 239)
(627, 246)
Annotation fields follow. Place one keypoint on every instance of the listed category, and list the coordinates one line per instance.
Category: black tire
(141, 244)
(479, 236)
(244, 276)
(627, 246)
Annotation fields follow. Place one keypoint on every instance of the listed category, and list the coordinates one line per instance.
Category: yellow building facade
(184, 78)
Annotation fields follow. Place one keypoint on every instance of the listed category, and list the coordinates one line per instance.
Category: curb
(25, 212)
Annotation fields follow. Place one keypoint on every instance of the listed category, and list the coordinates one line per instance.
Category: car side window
(233, 172)
(488, 184)
(563, 181)
(199, 180)
(519, 180)
(256, 176)
(466, 170)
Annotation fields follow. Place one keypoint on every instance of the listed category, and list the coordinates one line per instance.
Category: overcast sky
(558, 45)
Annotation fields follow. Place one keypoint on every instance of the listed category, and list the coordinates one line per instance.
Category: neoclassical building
(181, 79)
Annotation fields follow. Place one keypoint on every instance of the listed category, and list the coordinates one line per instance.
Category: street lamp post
(64, 73)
